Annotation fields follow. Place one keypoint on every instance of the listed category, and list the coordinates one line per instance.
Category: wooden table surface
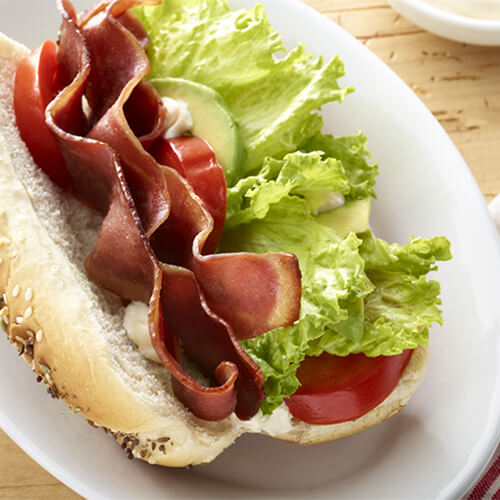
(460, 84)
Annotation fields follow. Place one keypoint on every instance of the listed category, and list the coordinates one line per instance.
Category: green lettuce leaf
(403, 305)
(416, 258)
(359, 294)
(352, 152)
(302, 174)
(274, 95)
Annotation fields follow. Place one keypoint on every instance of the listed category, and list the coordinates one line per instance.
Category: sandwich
(185, 255)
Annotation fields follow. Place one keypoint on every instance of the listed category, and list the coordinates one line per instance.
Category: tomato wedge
(35, 86)
(194, 159)
(337, 389)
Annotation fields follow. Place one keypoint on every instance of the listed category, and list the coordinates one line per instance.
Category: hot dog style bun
(71, 331)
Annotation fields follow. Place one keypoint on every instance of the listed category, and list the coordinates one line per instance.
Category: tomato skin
(195, 160)
(35, 87)
(338, 389)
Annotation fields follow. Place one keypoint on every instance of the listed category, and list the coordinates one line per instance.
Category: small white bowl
(449, 25)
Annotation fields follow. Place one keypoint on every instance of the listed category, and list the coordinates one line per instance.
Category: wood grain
(21, 477)
(460, 84)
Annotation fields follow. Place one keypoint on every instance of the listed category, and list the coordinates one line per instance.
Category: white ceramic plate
(448, 24)
(440, 443)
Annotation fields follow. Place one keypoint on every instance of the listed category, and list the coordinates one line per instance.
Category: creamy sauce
(135, 323)
(331, 202)
(479, 9)
(276, 424)
(179, 120)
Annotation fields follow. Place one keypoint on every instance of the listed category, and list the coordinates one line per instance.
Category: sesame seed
(19, 319)
(4, 297)
(20, 339)
(28, 312)
(28, 295)
(4, 311)
(16, 291)
(6, 320)
(43, 367)
(39, 336)
(39, 379)
(52, 390)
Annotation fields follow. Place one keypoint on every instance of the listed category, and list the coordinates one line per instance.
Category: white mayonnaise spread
(279, 422)
(135, 323)
(479, 9)
(179, 120)
(330, 202)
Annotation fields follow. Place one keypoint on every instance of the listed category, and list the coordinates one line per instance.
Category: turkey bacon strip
(150, 245)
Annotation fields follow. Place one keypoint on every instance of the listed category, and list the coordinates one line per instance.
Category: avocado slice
(353, 216)
(213, 122)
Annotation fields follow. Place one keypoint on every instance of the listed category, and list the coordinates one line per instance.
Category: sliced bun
(71, 332)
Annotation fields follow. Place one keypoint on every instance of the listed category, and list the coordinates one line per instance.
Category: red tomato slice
(35, 87)
(194, 159)
(337, 389)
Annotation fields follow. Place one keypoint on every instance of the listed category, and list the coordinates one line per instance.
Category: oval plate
(439, 444)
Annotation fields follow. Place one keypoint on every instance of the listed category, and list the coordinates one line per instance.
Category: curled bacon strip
(150, 246)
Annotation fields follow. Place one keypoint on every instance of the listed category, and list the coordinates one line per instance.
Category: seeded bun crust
(71, 332)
